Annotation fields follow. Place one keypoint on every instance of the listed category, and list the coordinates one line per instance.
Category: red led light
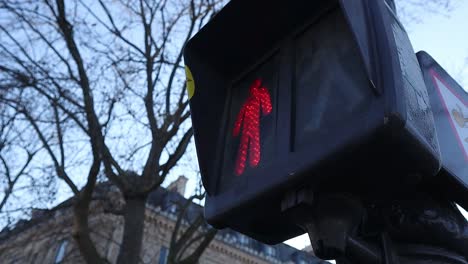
(248, 120)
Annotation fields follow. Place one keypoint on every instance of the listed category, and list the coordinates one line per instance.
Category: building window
(270, 251)
(163, 255)
(243, 239)
(60, 256)
(173, 208)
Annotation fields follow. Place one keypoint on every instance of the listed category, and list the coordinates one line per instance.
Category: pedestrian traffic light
(450, 107)
(287, 95)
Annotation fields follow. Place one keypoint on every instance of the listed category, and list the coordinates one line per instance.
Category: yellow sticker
(190, 82)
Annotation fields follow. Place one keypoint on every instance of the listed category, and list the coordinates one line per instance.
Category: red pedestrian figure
(249, 120)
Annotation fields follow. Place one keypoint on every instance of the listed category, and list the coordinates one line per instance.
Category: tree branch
(96, 137)
(58, 168)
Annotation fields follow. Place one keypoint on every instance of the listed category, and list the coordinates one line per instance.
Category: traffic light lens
(247, 125)
(251, 124)
(331, 83)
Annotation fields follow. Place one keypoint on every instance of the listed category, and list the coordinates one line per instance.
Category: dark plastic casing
(350, 110)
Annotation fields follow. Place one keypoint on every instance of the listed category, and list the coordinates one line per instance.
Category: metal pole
(417, 229)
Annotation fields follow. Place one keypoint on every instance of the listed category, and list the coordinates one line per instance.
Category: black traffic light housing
(349, 109)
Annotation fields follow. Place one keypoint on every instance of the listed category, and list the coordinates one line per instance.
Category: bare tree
(99, 85)
(191, 235)
(8, 177)
(16, 166)
(413, 12)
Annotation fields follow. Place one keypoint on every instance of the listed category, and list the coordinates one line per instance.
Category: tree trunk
(134, 217)
(81, 233)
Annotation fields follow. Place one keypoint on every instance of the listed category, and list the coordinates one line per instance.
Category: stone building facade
(46, 237)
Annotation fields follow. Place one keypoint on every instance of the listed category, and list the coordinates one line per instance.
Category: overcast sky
(445, 37)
